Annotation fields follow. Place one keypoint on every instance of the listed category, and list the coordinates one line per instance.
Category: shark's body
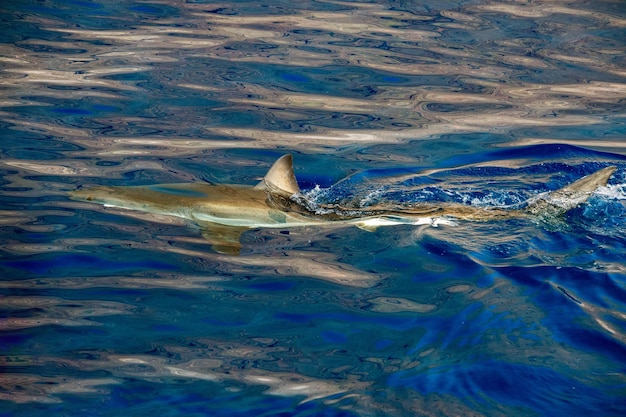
(225, 211)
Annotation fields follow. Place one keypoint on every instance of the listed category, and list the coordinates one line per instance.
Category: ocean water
(109, 312)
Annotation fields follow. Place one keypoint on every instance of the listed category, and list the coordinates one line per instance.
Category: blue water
(107, 312)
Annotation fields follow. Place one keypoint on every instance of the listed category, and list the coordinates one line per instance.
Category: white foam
(612, 192)
(434, 221)
(370, 198)
(314, 193)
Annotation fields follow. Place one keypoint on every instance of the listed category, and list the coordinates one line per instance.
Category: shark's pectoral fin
(223, 239)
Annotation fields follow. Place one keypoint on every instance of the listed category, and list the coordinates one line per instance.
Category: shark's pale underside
(224, 211)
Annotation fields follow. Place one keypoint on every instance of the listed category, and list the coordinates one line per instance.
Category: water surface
(107, 312)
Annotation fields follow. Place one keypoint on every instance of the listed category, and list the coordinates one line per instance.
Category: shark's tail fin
(562, 200)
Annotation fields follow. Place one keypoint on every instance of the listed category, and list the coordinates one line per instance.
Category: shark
(224, 211)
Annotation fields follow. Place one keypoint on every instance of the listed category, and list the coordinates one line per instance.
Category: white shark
(224, 211)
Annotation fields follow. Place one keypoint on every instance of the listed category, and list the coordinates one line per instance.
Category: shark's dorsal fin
(280, 176)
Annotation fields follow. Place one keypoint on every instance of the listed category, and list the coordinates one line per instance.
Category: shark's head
(98, 194)
(133, 198)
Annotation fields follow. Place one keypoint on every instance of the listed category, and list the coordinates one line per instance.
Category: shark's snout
(90, 193)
